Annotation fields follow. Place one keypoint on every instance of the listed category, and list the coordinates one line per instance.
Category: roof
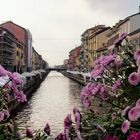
(92, 28)
(12, 23)
(7, 31)
(100, 31)
(11, 34)
(127, 18)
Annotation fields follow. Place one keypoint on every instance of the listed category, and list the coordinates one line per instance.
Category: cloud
(120, 8)
(57, 25)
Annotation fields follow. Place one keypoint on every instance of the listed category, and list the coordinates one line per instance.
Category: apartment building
(24, 36)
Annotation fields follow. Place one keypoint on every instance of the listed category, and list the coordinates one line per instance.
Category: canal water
(54, 99)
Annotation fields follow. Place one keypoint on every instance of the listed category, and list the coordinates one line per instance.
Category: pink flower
(47, 129)
(1, 116)
(137, 54)
(86, 102)
(61, 136)
(116, 85)
(109, 59)
(104, 92)
(75, 110)
(123, 35)
(111, 138)
(77, 120)
(134, 114)
(134, 135)
(94, 91)
(104, 89)
(9, 73)
(138, 103)
(97, 71)
(120, 39)
(7, 85)
(16, 78)
(3, 72)
(79, 135)
(138, 61)
(20, 96)
(138, 69)
(29, 133)
(99, 86)
(111, 50)
(134, 78)
(125, 111)
(105, 60)
(67, 121)
(77, 117)
(125, 126)
(86, 91)
(118, 62)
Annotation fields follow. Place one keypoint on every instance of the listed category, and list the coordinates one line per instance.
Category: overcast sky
(56, 25)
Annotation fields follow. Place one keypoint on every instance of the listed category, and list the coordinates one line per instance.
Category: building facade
(8, 44)
(98, 39)
(24, 36)
(85, 51)
(28, 51)
(134, 38)
(37, 61)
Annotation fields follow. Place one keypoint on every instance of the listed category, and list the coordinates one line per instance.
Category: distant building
(24, 36)
(74, 58)
(45, 65)
(127, 25)
(97, 40)
(28, 52)
(66, 63)
(130, 24)
(37, 61)
(134, 38)
(71, 60)
(8, 44)
(84, 39)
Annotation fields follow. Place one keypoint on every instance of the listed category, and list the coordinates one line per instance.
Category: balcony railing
(6, 43)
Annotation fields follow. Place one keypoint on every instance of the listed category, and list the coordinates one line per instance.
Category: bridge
(56, 69)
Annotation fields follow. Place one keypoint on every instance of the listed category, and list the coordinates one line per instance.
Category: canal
(53, 100)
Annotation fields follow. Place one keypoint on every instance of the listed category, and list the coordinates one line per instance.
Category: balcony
(6, 57)
(4, 50)
(6, 43)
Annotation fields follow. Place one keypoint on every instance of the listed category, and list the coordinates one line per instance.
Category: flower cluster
(117, 81)
(71, 129)
(92, 90)
(10, 93)
(134, 135)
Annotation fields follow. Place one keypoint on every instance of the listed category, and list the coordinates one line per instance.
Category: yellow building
(96, 40)
(33, 59)
(20, 60)
(36, 60)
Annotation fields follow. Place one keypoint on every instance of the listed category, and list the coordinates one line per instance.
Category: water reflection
(55, 98)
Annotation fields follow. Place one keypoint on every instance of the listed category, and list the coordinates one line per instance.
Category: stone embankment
(31, 82)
